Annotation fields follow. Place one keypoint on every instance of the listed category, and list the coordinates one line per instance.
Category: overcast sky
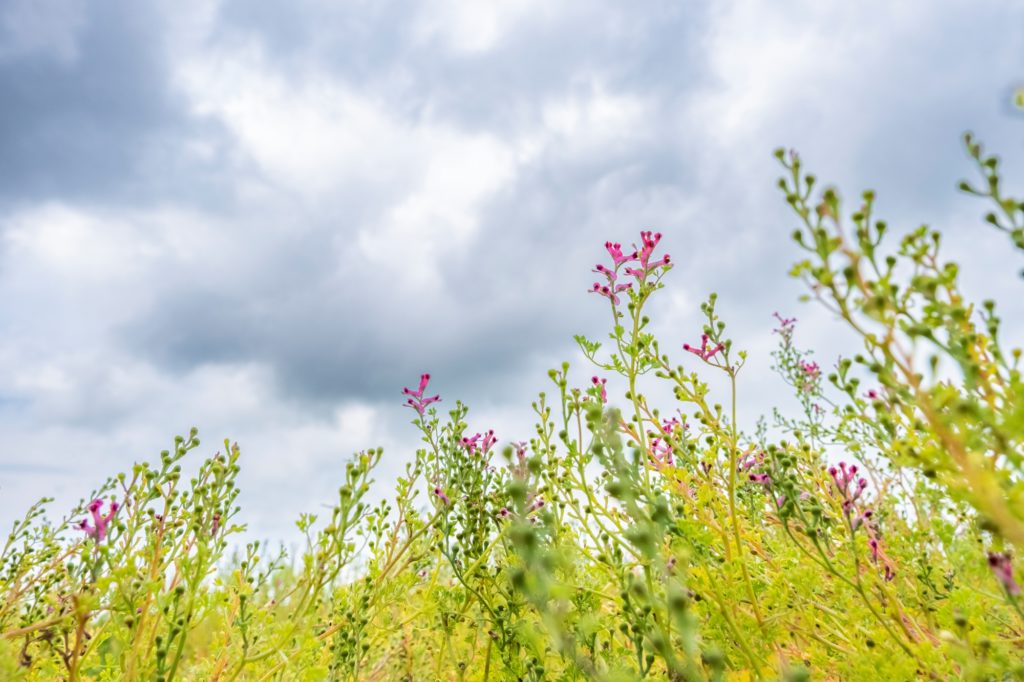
(264, 219)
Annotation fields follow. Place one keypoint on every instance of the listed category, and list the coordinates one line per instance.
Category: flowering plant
(872, 534)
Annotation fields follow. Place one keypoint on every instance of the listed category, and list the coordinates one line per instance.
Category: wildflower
(649, 241)
(750, 461)
(216, 524)
(615, 251)
(763, 479)
(786, 325)
(417, 401)
(601, 383)
(439, 494)
(479, 441)
(610, 292)
(1002, 567)
(504, 513)
(669, 425)
(488, 442)
(661, 450)
(98, 529)
(864, 517)
(842, 477)
(811, 375)
(704, 353)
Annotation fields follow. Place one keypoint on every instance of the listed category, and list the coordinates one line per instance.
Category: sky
(264, 219)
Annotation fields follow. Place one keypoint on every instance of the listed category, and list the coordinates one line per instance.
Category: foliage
(871, 535)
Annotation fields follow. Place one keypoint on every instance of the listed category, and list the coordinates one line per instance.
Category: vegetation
(870, 535)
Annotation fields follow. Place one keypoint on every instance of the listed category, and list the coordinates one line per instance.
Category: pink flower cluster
(704, 353)
(811, 374)
(598, 382)
(641, 256)
(661, 447)
(482, 442)
(842, 478)
(1002, 567)
(98, 529)
(649, 241)
(847, 484)
(417, 401)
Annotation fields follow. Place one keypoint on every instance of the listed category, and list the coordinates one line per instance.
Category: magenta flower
(811, 375)
(649, 240)
(786, 324)
(704, 353)
(609, 292)
(864, 517)
(488, 441)
(417, 401)
(439, 494)
(615, 251)
(842, 478)
(1002, 567)
(601, 383)
(98, 529)
(763, 479)
(661, 450)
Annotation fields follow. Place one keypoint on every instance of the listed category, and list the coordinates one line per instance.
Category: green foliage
(868, 536)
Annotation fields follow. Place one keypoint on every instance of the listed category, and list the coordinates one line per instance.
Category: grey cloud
(280, 285)
(101, 124)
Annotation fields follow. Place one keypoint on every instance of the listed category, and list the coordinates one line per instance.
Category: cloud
(267, 221)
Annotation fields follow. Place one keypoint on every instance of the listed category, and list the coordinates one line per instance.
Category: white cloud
(475, 27)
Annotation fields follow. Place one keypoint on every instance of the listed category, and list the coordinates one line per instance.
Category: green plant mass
(871, 534)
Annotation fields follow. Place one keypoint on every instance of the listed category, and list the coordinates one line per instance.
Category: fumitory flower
(842, 478)
(649, 241)
(417, 401)
(1002, 567)
(600, 383)
(811, 374)
(704, 353)
(98, 529)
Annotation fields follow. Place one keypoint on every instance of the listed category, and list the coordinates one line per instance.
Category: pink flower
(661, 450)
(601, 383)
(615, 251)
(811, 375)
(98, 529)
(649, 240)
(864, 517)
(609, 292)
(473, 443)
(785, 324)
(439, 494)
(488, 442)
(1002, 567)
(842, 478)
(669, 425)
(417, 401)
(704, 353)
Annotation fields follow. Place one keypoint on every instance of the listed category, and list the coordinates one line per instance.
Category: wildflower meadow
(871, 534)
